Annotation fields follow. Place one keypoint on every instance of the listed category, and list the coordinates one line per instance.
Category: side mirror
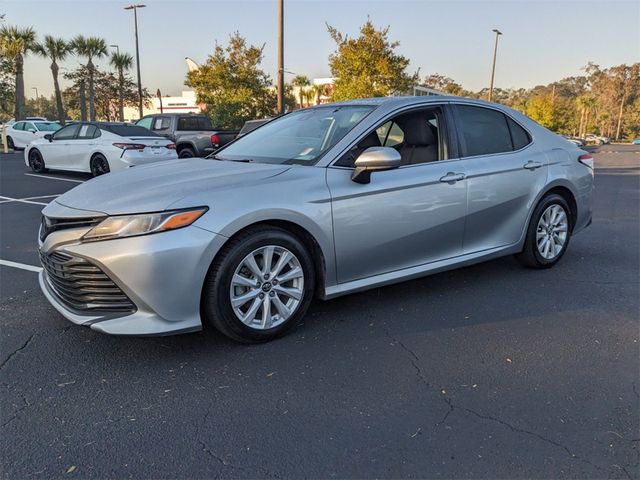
(32, 130)
(49, 137)
(375, 159)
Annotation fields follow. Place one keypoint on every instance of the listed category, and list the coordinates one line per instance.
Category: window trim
(460, 128)
(448, 134)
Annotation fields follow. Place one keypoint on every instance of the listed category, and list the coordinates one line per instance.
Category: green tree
(15, 43)
(122, 62)
(233, 85)
(368, 65)
(91, 48)
(301, 82)
(444, 84)
(56, 50)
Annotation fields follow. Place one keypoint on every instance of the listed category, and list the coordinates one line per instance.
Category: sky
(541, 42)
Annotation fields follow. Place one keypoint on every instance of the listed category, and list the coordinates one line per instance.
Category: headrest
(417, 131)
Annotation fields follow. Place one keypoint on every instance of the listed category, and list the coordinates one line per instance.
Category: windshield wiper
(242, 160)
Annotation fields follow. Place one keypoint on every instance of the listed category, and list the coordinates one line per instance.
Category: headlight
(131, 225)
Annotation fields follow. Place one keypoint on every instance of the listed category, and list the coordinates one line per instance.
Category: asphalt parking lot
(491, 371)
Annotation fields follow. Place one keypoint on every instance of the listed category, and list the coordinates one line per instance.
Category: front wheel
(548, 233)
(99, 165)
(36, 162)
(260, 285)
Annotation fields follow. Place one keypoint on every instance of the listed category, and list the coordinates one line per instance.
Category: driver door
(405, 217)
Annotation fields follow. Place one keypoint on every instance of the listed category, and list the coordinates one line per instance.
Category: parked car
(575, 140)
(21, 134)
(251, 125)
(194, 135)
(98, 148)
(598, 140)
(323, 201)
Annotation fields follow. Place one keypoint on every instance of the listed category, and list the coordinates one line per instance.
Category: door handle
(531, 165)
(452, 177)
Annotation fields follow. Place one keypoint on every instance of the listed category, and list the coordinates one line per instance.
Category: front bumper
(161, 273)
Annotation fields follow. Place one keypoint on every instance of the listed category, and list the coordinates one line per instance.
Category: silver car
(321, 202)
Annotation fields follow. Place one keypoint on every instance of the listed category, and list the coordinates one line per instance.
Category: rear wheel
(99, 165)
(260, 285)
(548, 233)
(186, 153)
(36, 162)
(10, 143)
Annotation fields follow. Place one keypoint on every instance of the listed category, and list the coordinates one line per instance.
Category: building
(186, 103)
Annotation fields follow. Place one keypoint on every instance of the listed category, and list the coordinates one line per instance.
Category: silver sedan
(320, 202)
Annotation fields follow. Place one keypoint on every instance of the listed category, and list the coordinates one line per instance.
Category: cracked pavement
(491, 371)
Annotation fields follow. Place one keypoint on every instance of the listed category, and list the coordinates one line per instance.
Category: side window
(390, 134)
(145, 122)
(204, 124)
(88, 132)
(417, 135)
(187, 123)
(484, 131)
(519, 135)
(18, 126)
(28, 126)
(161, 123)
(66, 133)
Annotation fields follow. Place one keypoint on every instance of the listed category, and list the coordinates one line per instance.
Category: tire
(99, 165)
(36, 162)
(186, 153)
(221, 285)
(10, 143)
(545, 244)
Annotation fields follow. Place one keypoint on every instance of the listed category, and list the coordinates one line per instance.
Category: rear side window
(88, 131)
(194, 123)
(519, 135)
(484, 131)
(18, 126)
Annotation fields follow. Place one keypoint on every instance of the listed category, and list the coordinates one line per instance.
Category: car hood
(158, 186)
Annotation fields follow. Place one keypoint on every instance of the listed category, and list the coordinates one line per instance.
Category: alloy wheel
(552, 231)
(267, 287)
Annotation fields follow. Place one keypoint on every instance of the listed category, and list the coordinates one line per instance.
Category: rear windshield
(194, 123)
(47, 127)
(129, 130)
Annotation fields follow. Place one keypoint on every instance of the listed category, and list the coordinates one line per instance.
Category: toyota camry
(321, 202)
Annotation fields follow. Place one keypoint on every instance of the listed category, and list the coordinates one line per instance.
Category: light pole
(135, 20)
(493, 69)
(36, 89)
(116, 47)
(280, 42)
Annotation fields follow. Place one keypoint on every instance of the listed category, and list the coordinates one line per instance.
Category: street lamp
(116, 47)
(280, 43)
(135, 20)
(36, 89)
(493, 69)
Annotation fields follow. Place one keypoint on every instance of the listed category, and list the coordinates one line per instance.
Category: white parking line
(20, 200)
(54, 178)
(22, 266)
(41, 196)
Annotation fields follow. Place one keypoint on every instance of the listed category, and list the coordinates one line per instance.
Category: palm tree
(56, 50)
(90, 47)
(122, 62)
(301, 81)
(15, 43)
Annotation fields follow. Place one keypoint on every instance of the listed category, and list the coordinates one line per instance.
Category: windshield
(48, 127)
(300, 137)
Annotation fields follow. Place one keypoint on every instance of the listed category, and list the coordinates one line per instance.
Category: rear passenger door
(505, 172)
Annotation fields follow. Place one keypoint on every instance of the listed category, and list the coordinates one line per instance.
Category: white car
(98, 148)
(20, 134)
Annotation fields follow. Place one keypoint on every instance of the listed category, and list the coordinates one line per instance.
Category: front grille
(49, 224)
(83, 286)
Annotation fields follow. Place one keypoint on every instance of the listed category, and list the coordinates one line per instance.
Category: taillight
(587, 160)
(171, 146)
(130, 146)
(215, 140)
